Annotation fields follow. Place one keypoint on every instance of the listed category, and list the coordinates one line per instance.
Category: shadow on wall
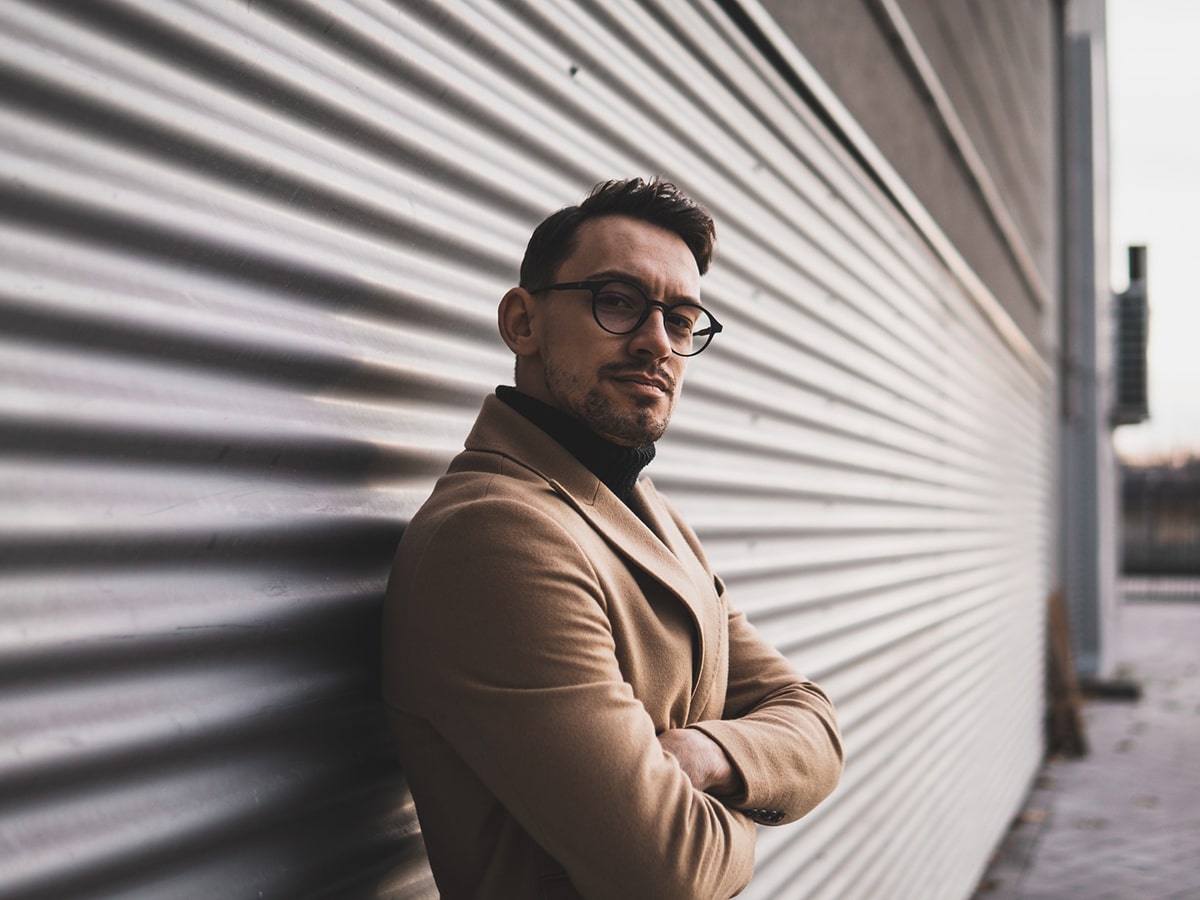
(195, 698)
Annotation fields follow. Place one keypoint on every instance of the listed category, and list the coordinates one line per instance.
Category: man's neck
(617, 466)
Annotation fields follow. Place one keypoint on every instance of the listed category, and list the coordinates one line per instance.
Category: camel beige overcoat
(538, 635)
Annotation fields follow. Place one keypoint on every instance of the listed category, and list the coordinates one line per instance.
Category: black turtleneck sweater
(618, 467)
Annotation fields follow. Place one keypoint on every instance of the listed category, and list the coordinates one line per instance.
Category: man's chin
(630, 424)
(631, 432)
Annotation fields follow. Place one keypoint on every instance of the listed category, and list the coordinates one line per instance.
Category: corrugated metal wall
(962, 98)
(251, 255)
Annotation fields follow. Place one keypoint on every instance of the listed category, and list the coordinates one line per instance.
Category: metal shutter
(251, 256)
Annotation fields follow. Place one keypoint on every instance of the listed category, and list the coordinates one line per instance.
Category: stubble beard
(630, 426)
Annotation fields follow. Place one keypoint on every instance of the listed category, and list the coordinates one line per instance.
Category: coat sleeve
(517, 670)
(778, 730)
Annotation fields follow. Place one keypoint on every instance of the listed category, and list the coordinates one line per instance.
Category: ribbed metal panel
(251, 257)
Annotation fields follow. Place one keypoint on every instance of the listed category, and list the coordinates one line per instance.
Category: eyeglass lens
(620, 308)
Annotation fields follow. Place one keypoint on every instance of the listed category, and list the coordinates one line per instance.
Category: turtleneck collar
(618, 467)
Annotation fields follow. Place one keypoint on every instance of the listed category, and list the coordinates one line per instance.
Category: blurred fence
(1161, 530)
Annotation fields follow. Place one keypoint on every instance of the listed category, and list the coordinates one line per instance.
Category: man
(580, 712)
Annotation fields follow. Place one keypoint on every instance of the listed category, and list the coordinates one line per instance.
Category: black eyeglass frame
(595, 286)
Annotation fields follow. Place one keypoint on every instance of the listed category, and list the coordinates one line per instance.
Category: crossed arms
(523, 649)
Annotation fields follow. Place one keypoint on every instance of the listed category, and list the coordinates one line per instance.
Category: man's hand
(703, 761)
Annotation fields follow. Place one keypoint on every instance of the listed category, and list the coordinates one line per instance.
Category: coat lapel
(632, 538)
(708, 611)
(501, 429)
(663, 525)
(656, 546)
(664, 555)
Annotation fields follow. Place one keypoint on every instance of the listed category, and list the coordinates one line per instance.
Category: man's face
(623, 386)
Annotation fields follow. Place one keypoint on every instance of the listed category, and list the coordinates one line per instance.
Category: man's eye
(680, 323)
(615, 301)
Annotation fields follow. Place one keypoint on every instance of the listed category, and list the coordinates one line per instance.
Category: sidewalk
(1123, 823)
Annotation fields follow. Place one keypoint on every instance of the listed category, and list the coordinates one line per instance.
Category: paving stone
(1123, 822)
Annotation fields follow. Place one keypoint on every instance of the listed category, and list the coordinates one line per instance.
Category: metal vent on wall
(251, 256)
(1131, 370)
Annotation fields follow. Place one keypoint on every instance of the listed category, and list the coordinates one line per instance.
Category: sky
(1154, 126)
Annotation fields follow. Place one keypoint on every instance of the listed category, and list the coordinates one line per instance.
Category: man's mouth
(661, 383)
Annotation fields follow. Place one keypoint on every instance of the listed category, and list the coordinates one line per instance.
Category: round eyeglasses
(622, 307)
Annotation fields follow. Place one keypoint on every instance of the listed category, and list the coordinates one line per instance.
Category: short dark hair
(655, 201)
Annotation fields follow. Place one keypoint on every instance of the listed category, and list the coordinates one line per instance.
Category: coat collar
(662, 553)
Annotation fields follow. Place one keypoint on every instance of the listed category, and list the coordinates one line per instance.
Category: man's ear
(517, 320)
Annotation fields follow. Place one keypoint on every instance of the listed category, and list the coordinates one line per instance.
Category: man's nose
(651, 338)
